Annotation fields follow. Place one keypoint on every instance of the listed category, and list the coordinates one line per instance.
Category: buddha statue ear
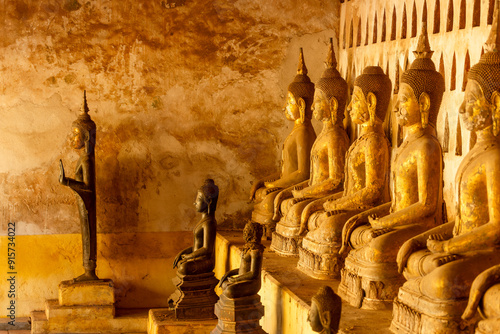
(209, 204)
(495, 98)
(371, 101)
(302, 109)
(334, 106)
(326, 320)
(424, 103)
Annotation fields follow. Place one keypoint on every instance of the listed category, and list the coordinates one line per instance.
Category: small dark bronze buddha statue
(441, 263)
(195, 297)
(325, 312)
(296, 149)
(83, 139)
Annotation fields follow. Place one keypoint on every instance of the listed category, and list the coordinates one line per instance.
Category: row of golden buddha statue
(330, 204)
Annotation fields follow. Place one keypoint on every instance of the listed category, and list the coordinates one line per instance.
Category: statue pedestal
(163, 321)
(285, 246)
(194, 297)
(239, 315)
(319, 266)
(84, 307)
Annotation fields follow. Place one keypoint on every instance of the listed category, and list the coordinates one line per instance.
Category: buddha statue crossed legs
(327, 160)
(366, 178)
(441, 263)
(296, 149)
(370, 278)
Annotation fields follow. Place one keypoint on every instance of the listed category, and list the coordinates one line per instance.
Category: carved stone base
(371, 286)
(285, 246)
(428, 316)
(239, 315)
(194, 297)
(319, 266)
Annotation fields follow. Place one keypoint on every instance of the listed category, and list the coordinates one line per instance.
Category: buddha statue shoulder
(296, 149)
(246, 281)
(366, 178)
(200, 258)
(327, 160)
(324, 314)
(441, 263)
(82, 139)
(370, 278)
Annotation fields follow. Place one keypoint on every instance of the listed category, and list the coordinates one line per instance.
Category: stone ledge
(162, 321)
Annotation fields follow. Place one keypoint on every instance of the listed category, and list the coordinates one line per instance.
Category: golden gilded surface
(327, 161)
(441, 264)
(370, 278)
(296, 148)
(366, 175)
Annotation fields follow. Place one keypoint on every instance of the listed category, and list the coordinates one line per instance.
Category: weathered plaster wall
(178, 95)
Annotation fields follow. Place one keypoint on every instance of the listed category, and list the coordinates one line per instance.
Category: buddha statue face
(77, 138)
(294, 108)
(475, 111)
(200, 202)
(314, 318)
(408, 109)
(322, 107)
(358, 107)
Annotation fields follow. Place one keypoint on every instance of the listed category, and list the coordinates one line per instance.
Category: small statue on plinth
(195, 281)
(83, 139)
(326, 308)
(239, 308)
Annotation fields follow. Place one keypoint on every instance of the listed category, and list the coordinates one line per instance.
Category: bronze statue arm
(179, 256)
(230, 273)
(481, 283)
(361, 219)
(428, 169)
(285, 194)
(208, 243)
(255, 267)
(260, 183)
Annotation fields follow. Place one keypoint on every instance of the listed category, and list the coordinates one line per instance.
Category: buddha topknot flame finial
(85, 107)
(331, 61)
(302, 69)
(423, 47)
(493, 42)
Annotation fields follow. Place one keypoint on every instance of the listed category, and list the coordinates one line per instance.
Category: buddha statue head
(326, 308)
(422, 87)
(331, 92)
(371, 96)
(481, 106)
(300, 94)
(252, 232)
(83, 129)
(206, 200)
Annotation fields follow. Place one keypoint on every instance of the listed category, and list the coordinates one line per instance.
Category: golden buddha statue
(325, 312)
(370, 278)
(327, 160)
(441, 264)
(296, 148)
(485, 298)
(83, 139)
(366, 174)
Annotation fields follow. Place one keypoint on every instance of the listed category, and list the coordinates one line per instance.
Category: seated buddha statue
(366, 178)
(370, 278)
(441, 264)
(327, 160)
(326, 308)
(296, 149)
(485, 297)
(195, 277)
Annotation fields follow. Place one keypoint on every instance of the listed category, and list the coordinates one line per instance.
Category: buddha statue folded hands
(327, 160)
(441, 264)
(366, 178)
(296, 149)
(370, 278)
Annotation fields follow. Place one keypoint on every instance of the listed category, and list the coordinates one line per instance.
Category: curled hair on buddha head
(422, 76)
(86, 125)
(327, 301)
(302, 87)
(374, 80)
(252, 232)
(210, 193)
(332, 84)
